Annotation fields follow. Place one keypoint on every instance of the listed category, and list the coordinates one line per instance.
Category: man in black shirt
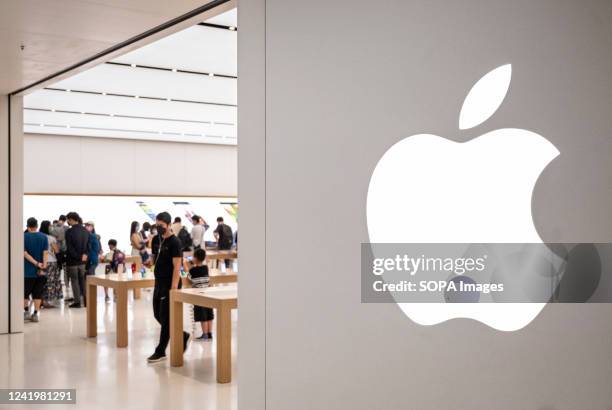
(167, 276)
(225, 238)
(77, 248)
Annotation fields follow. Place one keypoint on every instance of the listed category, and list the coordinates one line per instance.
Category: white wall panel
(83, 165)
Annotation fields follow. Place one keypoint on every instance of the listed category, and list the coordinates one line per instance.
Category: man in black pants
(77, 248)
(167, 276)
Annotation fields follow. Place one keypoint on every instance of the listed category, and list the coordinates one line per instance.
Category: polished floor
(55, 353)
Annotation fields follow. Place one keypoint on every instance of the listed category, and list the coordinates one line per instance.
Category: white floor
(55, 353)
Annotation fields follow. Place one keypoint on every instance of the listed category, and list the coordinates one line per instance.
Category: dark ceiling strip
(150, 67)
(136, 117)
(130, 41)
(231, 28)
(141, 96)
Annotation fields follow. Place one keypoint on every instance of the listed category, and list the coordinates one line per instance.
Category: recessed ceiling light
(52, 109)
(112, 115)
(68, 90)
(174, 70)
(211, 74)
(232, 28)
(168, 99)
(82, 112)
(103, 93)
(133, 65)
(136, 96)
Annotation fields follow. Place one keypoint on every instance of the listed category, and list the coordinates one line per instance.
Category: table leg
(92, 310)
(176, 332)
(122, 315)
(224, 345)
(137, 293)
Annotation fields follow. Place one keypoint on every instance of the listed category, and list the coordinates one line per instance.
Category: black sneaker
(74, 305)
(156, 357)
(185, 341)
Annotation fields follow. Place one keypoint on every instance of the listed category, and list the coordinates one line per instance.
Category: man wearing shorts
(36, 249)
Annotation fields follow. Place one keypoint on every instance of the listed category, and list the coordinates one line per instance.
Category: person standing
(153, 244)
(197, 232)
(116, 264)
(35, 253)
(225, 238)
(145, 232)
(167, 276)
(77, 249)
(52, 293)
(139, 246)
(198, 275)
(95, 248)
(59, 232)
(177, 225)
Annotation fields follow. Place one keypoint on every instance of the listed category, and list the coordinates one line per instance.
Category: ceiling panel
(197, 48)
(84, 121)
(56, 34)
(145, 82)
(229, 18)
(141, 107)
(146, 93)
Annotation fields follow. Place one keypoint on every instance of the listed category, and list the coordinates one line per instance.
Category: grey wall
(347, 79)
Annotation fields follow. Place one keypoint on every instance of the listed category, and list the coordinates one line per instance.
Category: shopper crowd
(59, 255)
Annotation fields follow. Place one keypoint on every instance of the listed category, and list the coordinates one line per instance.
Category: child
(198, 275)
(116, 261)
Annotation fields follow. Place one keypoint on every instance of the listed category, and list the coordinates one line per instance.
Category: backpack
(228, 237)
(185, 238)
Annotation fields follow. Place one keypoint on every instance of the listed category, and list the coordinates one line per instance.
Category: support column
(4, 215)
(15, 206)
(252, 196)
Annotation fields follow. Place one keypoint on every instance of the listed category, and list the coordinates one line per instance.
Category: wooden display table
(223, 299)
(214, 256)
(121, 283)
(137, 260)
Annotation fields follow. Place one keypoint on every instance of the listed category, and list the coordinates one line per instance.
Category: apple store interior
(152, 130)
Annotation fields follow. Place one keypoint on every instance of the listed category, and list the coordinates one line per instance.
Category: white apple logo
(428, 189)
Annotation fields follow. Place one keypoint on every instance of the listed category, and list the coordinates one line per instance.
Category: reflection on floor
(56, 354)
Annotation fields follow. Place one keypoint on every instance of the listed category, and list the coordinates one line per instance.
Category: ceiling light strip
(219, 26)
(175, 70)
(136, 117)
(142, 97)
(120, 130)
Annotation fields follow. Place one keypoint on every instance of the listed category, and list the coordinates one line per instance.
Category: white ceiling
(147, 93)
(56, 34)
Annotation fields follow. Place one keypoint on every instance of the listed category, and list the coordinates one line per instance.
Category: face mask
(161, 230)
